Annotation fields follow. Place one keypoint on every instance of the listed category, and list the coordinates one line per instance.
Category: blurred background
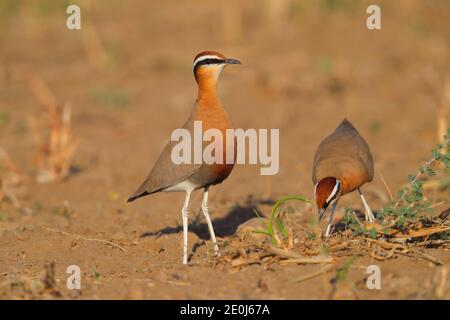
(85, 113)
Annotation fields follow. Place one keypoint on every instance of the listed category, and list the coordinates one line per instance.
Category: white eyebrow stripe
(206, 57)
(334, 192)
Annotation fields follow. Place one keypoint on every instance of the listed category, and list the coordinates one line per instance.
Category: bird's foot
(369, 215)
(216, 250)
(328, 231)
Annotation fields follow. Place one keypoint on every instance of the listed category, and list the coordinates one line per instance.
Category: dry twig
(54, 137)
(323, 270)
(85, 238)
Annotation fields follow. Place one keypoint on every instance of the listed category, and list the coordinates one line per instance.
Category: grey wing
(365, 155)
(165, 172)
(322, 152)
(315, 162)
(347, 143)
(359, 145)
(361, 150)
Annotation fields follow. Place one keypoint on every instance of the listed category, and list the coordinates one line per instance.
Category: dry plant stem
(309, 260)
(427, 257)
(444, 243)
(404, 250)
(323, 270)
(357, 220)
(296, 258)
(85, 238)
(423, 232)
(386, 186)
(242, 262)
(437, 204)
(282, 253)
(53, 133)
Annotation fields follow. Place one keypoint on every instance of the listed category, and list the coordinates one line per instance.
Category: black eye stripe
(208, 61)
(331, 200)
(334, 197)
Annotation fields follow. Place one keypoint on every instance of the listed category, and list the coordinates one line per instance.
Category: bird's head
(209, 64)
(326, 191)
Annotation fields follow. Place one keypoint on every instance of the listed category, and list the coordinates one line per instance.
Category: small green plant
(96, 275)
(411, 205)
(63, 211)
(342, 272)
(311, 236)
(351, 222)
(313, 226)
(275, 225)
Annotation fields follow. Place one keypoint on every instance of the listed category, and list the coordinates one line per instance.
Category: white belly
(186, 185)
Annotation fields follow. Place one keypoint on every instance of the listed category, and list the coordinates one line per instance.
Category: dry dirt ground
(304, 70)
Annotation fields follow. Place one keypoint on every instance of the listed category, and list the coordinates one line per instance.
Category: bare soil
(302, 73)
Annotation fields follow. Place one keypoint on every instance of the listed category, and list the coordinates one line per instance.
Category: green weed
(410, 207)
(411, 204)
(96, 275)
(275, 225)
(342, 272)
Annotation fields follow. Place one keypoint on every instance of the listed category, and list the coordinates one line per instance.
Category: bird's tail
(137, 195)
(141, 192)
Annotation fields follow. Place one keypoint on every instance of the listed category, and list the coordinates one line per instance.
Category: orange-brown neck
(207, 91)
(210, 111)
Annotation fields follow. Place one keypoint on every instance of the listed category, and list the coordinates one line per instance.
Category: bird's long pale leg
(368, 212)
(208, 221)
(185, 217)
(330, 220)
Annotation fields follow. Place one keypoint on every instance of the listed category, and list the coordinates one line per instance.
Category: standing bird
(167, 176)
(342, 164)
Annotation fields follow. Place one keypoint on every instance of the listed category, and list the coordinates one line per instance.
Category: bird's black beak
(232, 61)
